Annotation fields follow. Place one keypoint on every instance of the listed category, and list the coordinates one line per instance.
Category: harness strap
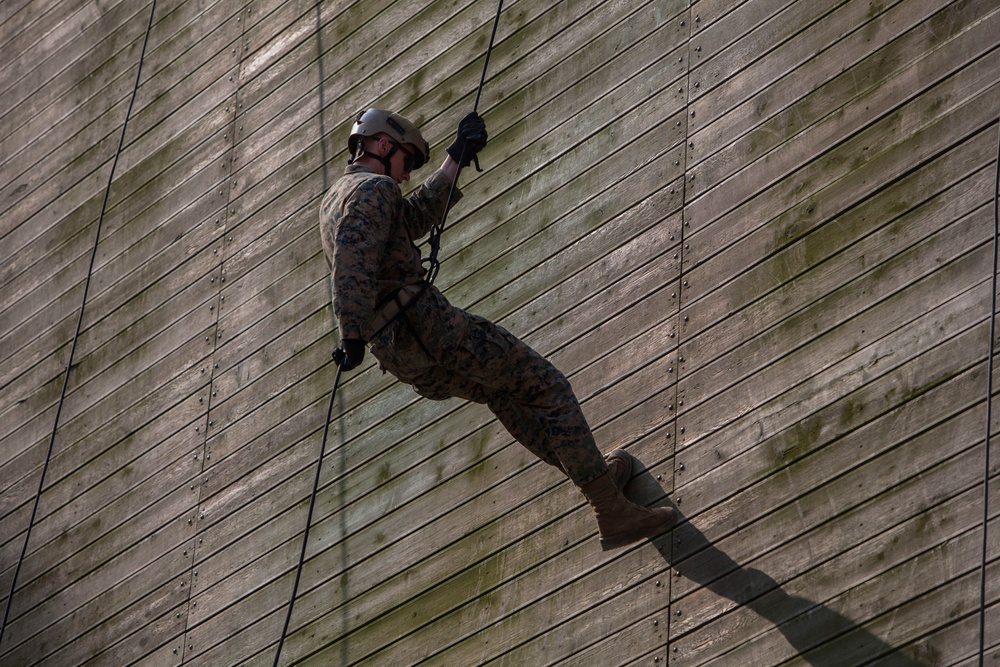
(396, 304)
(416, 335)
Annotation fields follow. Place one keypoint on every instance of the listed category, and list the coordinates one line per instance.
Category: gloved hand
(470, 140)
(350, 354)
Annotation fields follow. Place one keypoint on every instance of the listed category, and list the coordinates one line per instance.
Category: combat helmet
(377, 121)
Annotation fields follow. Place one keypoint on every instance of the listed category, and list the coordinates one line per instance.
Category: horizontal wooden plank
(908, 618)
(42, 31)
(823, 322)
(123, 642)
(845, 248)
(797, 423)
(125, 560)
(169, 244)
(712, 66)
(43, 561)
(712, 583)
(68, 174)
(889, 158)
(51, 90)
(723, 117)
(73, 425)
(543, 33)
(718, 25)
(814, 592)
(320, 533)
(754, 235)
(11, 22)
(622, 645)
(115, 589)
(814, 125)
(491, 622)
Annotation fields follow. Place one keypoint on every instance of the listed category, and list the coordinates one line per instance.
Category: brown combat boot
(620, 521)
(619, 467)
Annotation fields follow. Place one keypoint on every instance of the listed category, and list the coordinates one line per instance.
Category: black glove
(350, 354)
(470, 140)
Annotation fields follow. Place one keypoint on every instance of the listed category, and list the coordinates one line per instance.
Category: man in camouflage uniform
(380, 295)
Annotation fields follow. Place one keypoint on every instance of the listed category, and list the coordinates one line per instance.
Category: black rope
(434, 240)
(989, 408)
(336, 380)
(79, 323)
(309, 515)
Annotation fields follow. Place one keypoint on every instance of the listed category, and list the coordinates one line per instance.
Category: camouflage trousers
(445, 352)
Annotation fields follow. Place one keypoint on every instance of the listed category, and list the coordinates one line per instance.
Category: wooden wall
(755, 234)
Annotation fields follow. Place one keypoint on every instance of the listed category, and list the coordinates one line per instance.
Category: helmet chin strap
(384, 159)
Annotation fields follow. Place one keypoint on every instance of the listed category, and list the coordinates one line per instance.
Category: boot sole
(619, 541)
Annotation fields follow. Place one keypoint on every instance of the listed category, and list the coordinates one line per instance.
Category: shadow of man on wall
(821, 636)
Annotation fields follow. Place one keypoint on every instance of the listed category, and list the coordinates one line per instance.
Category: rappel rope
(336, 379)
(434, 240)
(79, 324)
(435, 244)
(989, 408)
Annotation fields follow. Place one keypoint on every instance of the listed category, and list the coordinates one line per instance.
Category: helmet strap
(384, 159)
(388, 156)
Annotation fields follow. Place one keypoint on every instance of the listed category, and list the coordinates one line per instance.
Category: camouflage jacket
(369, 231)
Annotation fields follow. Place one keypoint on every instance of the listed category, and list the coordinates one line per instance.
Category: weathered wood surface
(839, 181)
(755, 236)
